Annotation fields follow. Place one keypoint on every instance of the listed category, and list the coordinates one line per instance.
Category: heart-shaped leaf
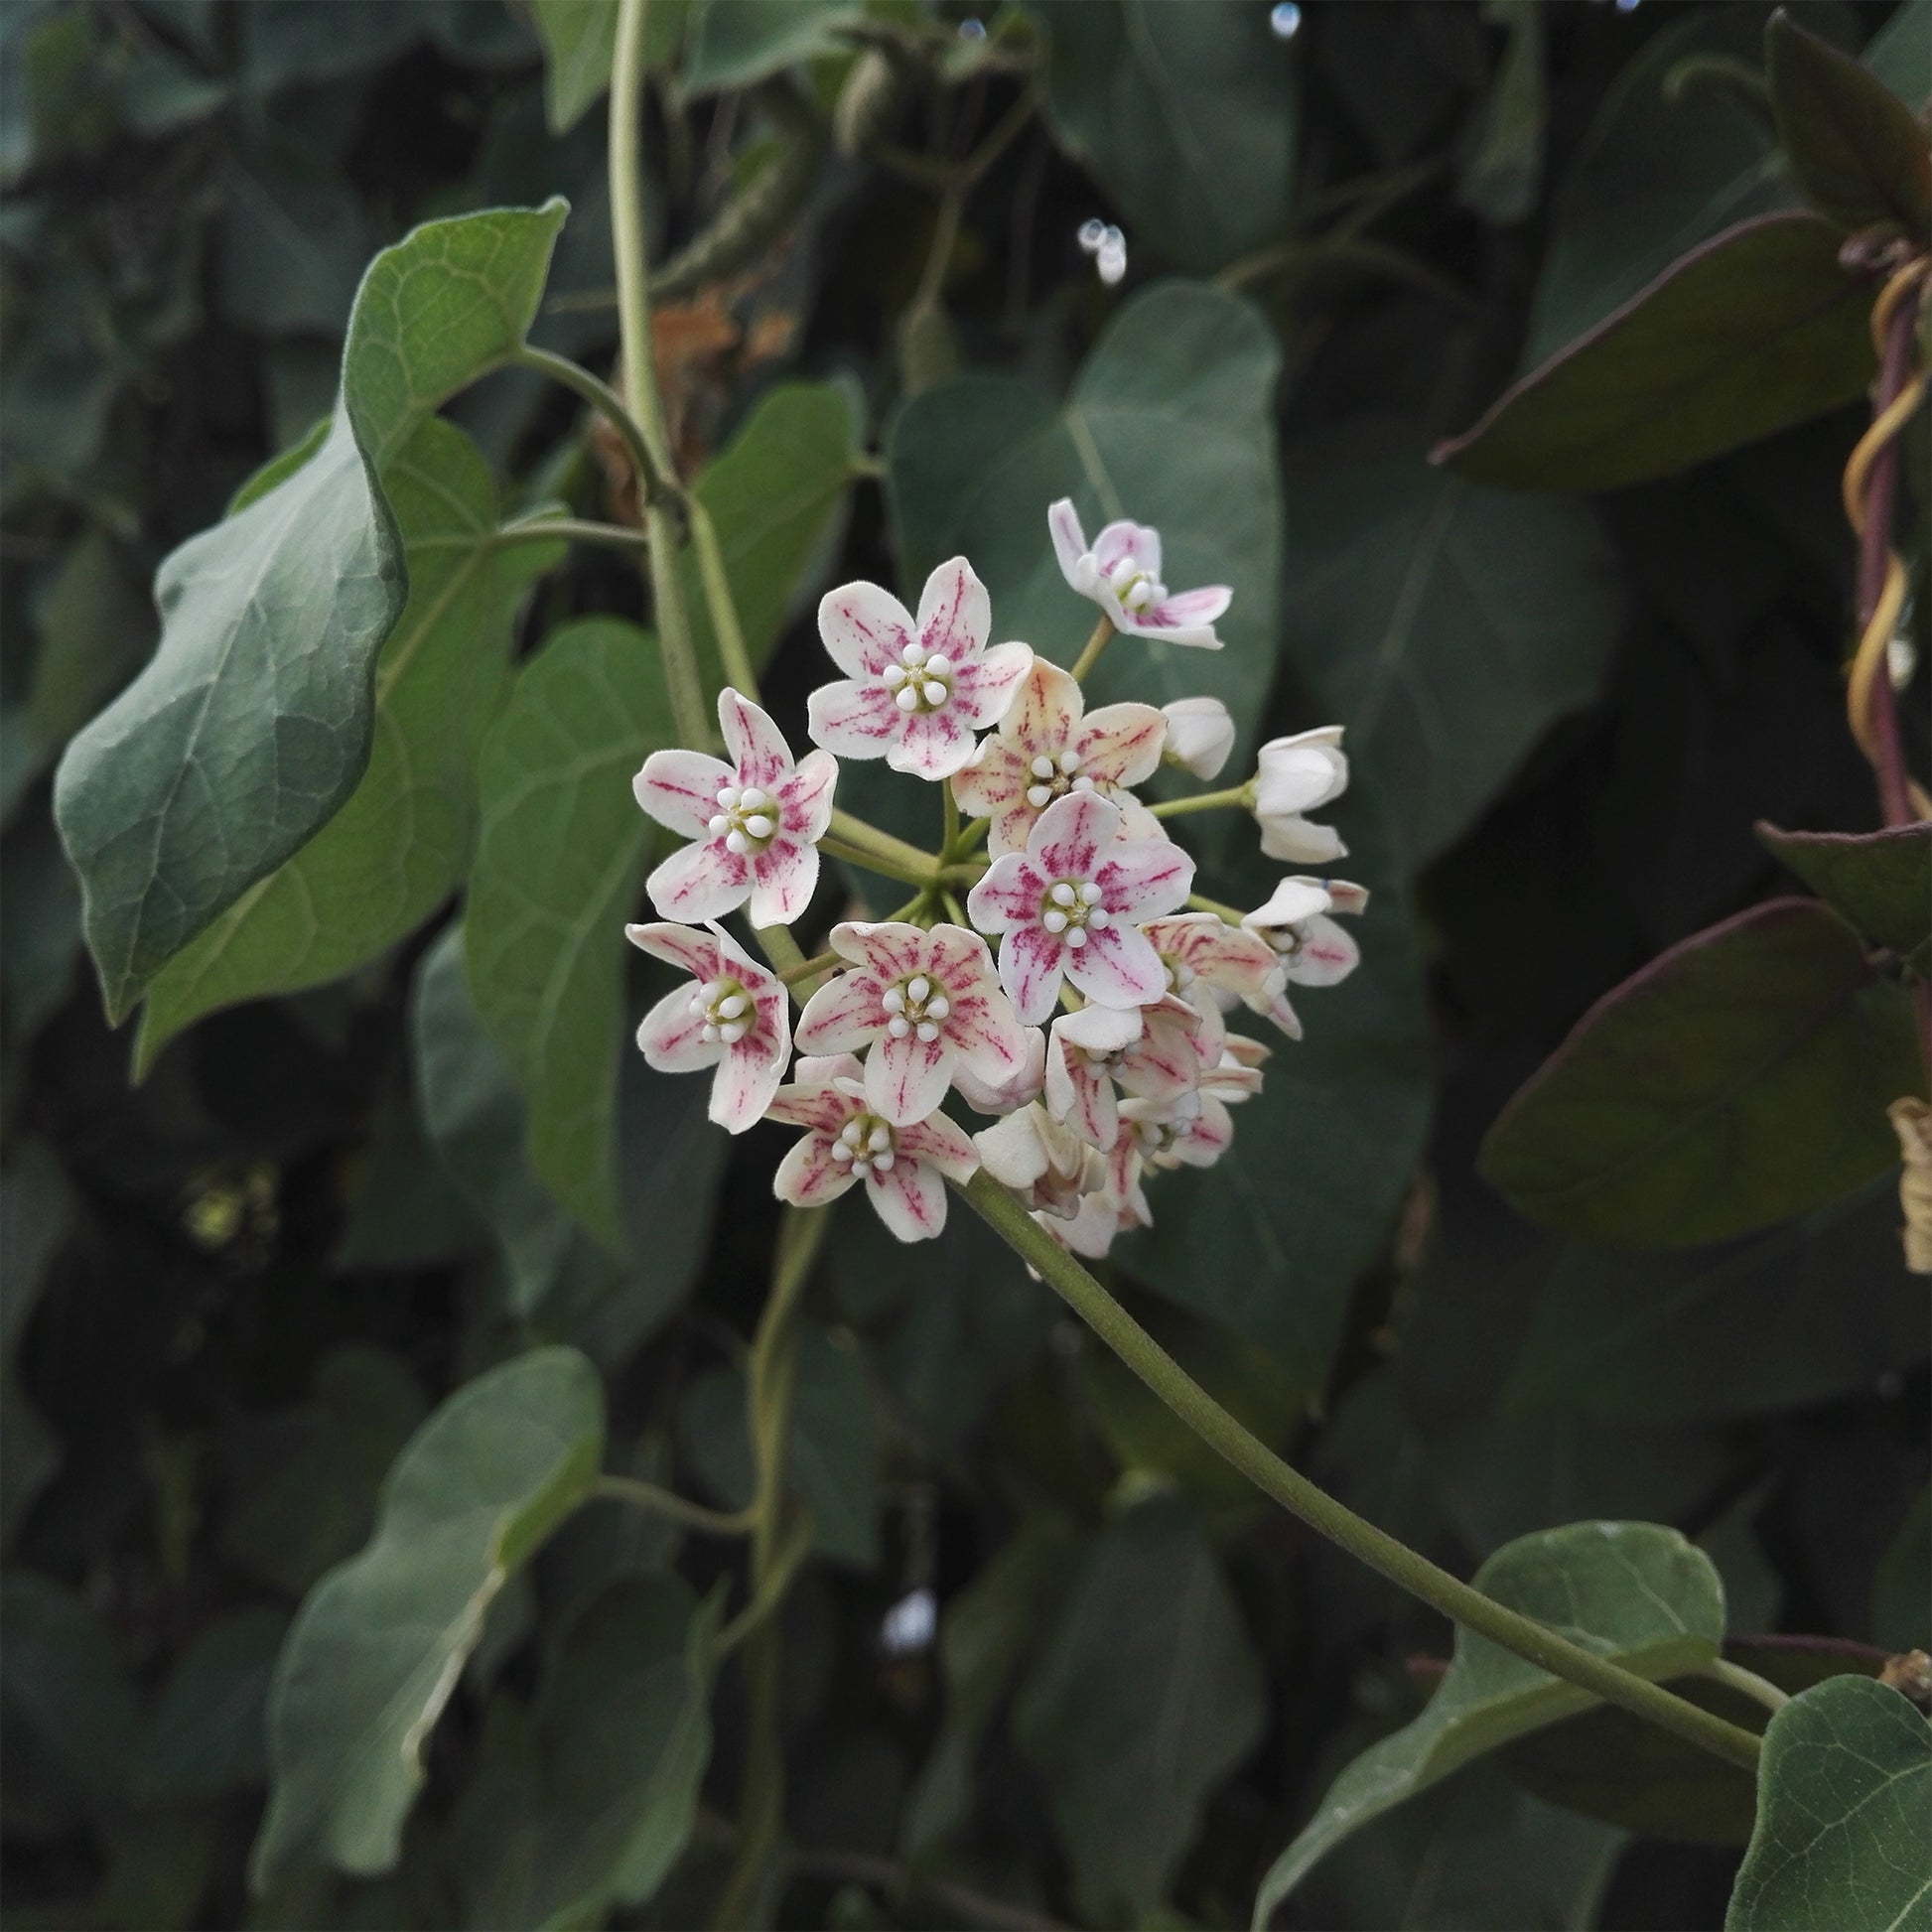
(1633, 1591)
(1753, 331)
(1844, 1791)
(1879, 882)
(1856, 148)
(380, 1642)
(1739, 1079)
(251, 725)
(398, 847)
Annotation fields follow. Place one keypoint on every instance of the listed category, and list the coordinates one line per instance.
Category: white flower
(1310, 948)
(1122, 574)
(1200, 734)
(1296, 775)
(1045, 1162)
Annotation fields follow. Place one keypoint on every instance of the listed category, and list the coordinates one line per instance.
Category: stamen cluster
(1098, 1036)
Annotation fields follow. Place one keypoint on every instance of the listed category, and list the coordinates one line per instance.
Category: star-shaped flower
(1191, 1132)
(1046, 745)
(1152, 1052)
(1209, 963)
(1048, 1165)
(1122, 574)
(904, 1168)
(737, 1018)
(1309, 948)
(915, 690)
(1070, 906)
(753, 823)
(1293, 776)
(926, 1003)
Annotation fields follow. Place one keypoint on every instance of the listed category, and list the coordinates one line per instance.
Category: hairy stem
(1089, 656)
(1528, 1639)
(675, 1508)
(681, 678)
(914, 864)
(569, 530)
(651, 480)
(770, 1376)
(732, 656)
(1759, 1689)
(1206, 801)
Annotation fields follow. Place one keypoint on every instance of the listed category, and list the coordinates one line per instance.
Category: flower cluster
(1098, 1036)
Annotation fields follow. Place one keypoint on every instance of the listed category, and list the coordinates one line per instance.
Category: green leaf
(739, 43)
(294, 241)
(1880, 882)
(400, 844)
(1843, 1796)
(579, 36)
(1272, 1239)
(834, 1454)
(1741, 1077)
(777, 496)
(1504, 168)
(1170, 422)
(1665, 166)
(1633, 1591)
(1146, 1695)
(1445, 626)
(1186, 115)
(478, 1122)
(251, 725)
(206, 1735)
(1901, 1584)
(379, 1643)
(1805, 1313)
(1752, 331)
(590, 1799)
(1901, 52)
(1856, 148)
(559, 859)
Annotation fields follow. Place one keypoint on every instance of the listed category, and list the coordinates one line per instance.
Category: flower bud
(1200, 734)
(1294, 775)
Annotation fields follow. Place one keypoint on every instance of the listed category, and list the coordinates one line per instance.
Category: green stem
(682, 680)
(651, 480)
(1103, 633)
(569, 530)
(854, 855)
(732, 656)
(1760, 1689)
(805, 969)
(666, 1503)
(1206, 801)
(1528, 1639)
(769, 1377)
(916, 865)
(1196, 902)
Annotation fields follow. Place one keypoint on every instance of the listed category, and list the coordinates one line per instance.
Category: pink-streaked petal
(1183, 610)
(1070, 543)
(1042, 712)
(906, 1079)
(1117, 967)
(679, 790)
(783, 878)
(843, 1017)
(959, 957)
(888, 949)
(1079, 1091)
(805, 797)
(1120, 744)
(991, 781)
(1012, 828)
(1344, 896)
(1136, 821)
(1327, 954)
(855, 721)
(937, 1141)
(1141, 878)
(983, 689)
(699, 881)
(1274, 1005)
(1003, 1096)
(671, 1038)
(808, 1177)
(678, 945)
(932, 744)
(1141, 624)
(910, 1199)
(1137, 543)
(989, 1041)
(754, 744)
(1209, 1134)
(742, 1089)
(1031, 961)
(864, 628)
(1164, 1061)
(1071, 833)
(1006, 893)
(955, 613)
(823, 1109)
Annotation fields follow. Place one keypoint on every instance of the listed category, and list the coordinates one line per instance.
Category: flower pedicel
(1098, 1035)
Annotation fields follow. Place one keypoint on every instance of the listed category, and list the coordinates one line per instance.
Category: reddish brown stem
(1893, 797)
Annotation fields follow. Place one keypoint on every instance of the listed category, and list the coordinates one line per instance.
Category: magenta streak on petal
(1031, 961)
(1117, 967)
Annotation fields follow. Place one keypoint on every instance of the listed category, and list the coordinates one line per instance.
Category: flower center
(1157, 1136)
(915, 1005)
(747, 818)
(867, 1145)
(729, 1010)
(1070, 906)
(1052, 776)
(921, 680)
(1137, 588)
